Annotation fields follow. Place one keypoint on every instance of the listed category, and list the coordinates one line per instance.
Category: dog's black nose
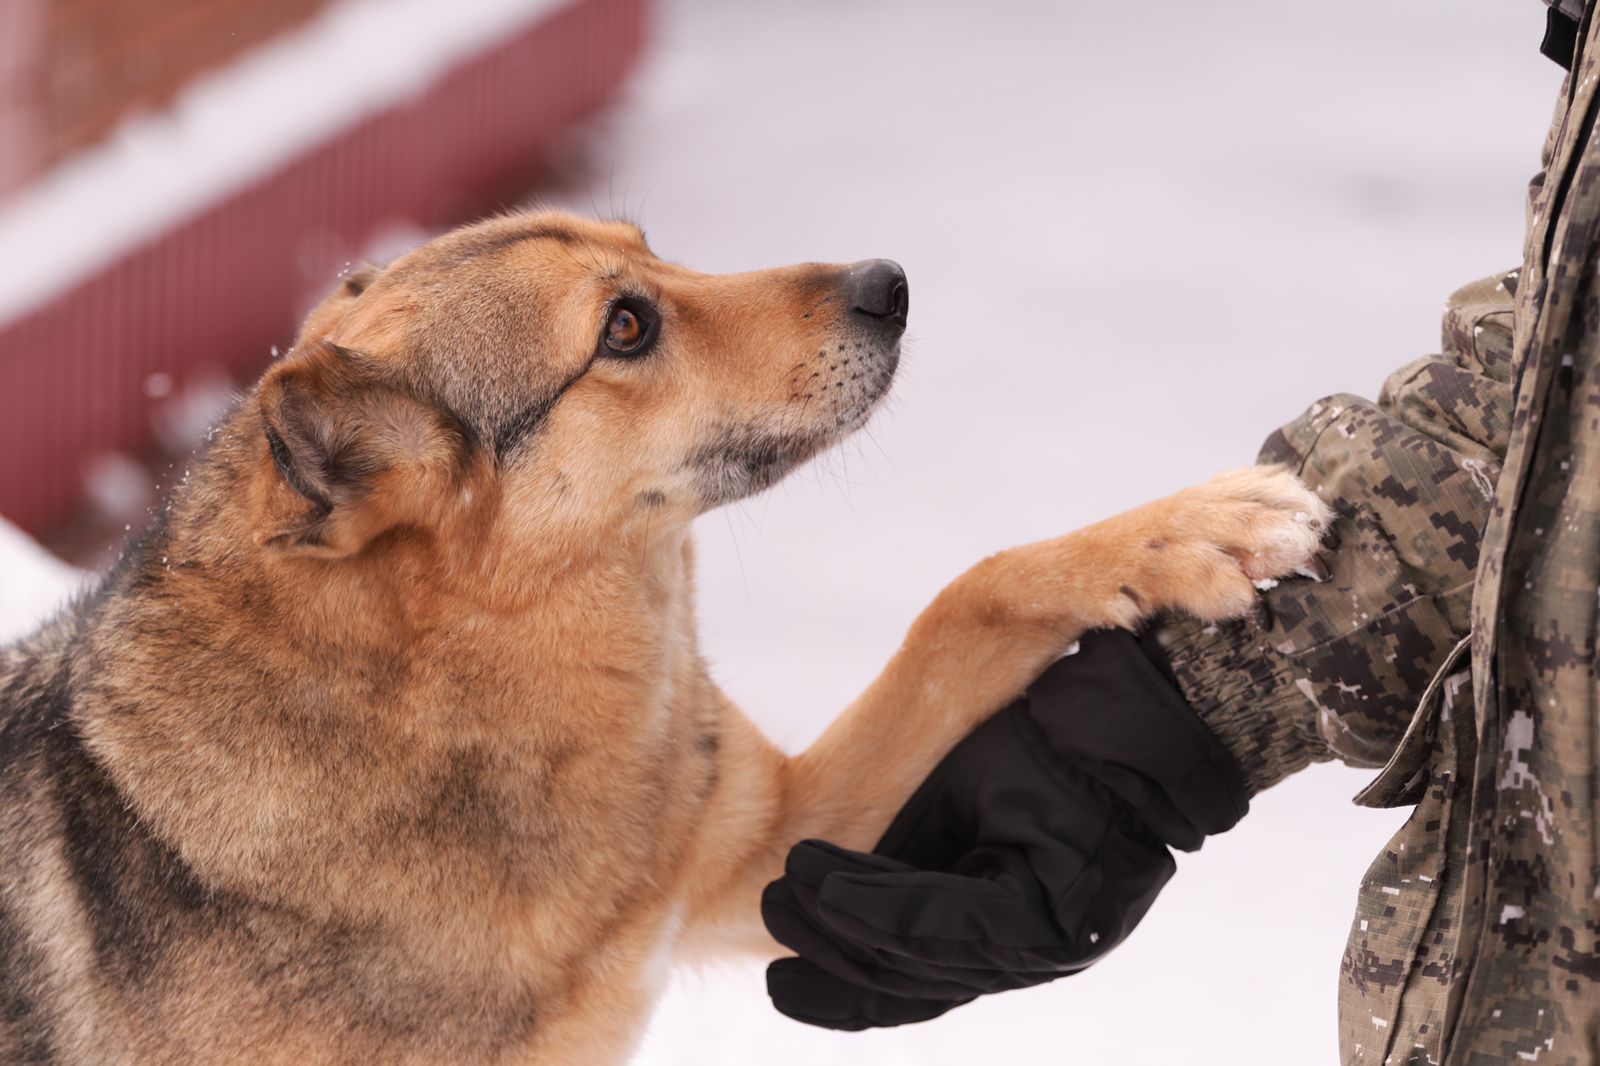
(877, 288)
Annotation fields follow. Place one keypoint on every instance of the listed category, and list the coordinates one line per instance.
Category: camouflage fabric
(1531, 922)
(1412, 476)
(1477, 933)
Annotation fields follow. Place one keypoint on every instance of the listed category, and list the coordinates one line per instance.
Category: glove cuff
(1248, 695)
(1113, 711)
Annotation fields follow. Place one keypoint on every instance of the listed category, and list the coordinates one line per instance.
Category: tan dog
(392, 743)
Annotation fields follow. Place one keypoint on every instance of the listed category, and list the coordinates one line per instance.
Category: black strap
(1560, 38)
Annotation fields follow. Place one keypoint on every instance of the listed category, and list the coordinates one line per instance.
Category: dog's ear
(354, 282)
(330, 310)
(346, 458)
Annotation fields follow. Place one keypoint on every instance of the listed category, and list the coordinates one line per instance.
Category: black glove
(1033, 849)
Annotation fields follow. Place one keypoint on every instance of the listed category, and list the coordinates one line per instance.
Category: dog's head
(552, 372)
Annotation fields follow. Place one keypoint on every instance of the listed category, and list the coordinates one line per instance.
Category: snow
(1138, 238)
(297, 90)
(33, 583)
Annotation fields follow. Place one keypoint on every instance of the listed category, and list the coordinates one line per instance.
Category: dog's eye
(630, 329)
(624, 330)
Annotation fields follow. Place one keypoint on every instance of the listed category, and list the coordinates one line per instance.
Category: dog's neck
(396, 659)
(408, 589)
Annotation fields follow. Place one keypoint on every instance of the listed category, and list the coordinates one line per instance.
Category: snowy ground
(1139, 236)
(33, 583)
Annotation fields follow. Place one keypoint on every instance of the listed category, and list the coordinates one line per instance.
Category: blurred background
(1139, 237)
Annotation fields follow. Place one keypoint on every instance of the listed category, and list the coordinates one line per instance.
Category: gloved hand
(1034, 848)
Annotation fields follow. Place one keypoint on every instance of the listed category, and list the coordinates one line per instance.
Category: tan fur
(440, 751)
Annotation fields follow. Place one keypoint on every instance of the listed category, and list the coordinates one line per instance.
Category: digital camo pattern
(1477, 933)
(1531, 913)
(1338, 673)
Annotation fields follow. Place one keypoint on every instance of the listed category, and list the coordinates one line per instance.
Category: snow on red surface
(194, 239)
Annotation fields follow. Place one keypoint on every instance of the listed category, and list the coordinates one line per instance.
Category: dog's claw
(1260, 614)
(1316, 568)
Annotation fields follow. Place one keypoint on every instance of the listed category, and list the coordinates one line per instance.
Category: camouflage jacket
(1455, 647)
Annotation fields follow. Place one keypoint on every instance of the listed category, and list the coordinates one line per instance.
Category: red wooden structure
(219, 289)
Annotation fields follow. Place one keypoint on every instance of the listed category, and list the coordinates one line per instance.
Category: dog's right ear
(346, 458)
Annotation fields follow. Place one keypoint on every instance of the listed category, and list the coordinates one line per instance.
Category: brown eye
(630, 329)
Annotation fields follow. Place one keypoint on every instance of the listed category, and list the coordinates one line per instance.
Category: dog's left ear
(354, 281)
(346, 458)
(322, 319)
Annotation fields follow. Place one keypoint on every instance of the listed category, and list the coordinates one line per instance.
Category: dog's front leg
(993, 630)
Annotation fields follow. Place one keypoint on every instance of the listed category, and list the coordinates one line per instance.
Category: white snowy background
(1139, 237)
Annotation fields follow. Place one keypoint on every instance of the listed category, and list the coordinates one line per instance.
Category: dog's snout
(877, 289)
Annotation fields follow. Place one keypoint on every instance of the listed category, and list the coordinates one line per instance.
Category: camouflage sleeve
(1338, 672)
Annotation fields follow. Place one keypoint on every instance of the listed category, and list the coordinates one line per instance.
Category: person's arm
(1412, 476)
(1042, 839)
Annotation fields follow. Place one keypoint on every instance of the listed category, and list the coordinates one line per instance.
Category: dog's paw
(1213, 547)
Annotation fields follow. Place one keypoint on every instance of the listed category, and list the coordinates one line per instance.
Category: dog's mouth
(744, 461)
(860, 386)
(831, 392)
(824, 408)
